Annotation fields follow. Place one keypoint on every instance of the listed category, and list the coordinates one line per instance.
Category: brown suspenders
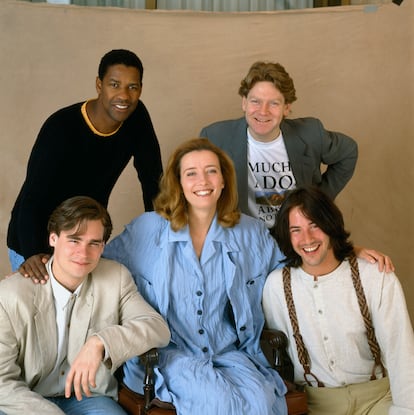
(302, 351)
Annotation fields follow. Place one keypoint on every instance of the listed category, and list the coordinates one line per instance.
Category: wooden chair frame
(274, 344)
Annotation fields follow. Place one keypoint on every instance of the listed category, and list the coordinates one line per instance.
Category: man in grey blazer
(273, 154)
(62, 341)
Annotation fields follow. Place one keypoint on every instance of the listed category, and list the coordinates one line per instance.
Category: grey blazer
(108, 305)
(308, 145)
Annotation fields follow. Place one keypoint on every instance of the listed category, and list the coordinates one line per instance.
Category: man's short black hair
(120, 57)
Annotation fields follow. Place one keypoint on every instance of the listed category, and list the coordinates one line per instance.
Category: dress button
(199, 293)
(201, 331)
(205, 349)
(242, 328)
(199, 312)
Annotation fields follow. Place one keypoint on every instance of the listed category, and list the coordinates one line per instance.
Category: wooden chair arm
(132, 402)
(149, 360)
(274, 344)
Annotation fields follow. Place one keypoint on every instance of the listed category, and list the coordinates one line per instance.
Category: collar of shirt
(62, 297)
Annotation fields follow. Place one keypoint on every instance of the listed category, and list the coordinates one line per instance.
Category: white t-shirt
(270, 175)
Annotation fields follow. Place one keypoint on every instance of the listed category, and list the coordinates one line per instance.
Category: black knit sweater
(68, 159)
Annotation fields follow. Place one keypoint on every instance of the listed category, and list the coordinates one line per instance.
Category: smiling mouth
(311, 249)
(81, 262)
(121, 106)
(203, 193)
(261, 121)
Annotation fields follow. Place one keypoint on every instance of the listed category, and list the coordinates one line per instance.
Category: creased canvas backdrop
(352, 67)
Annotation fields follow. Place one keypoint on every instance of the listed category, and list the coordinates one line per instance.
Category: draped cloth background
(353, 68)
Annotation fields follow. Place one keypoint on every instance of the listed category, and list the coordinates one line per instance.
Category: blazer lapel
(45, 326)
(239, 156)
(297, 152)
(81, 317)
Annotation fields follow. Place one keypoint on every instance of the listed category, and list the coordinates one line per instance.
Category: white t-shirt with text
(270, 175)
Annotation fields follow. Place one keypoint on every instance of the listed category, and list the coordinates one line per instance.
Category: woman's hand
(373, 256)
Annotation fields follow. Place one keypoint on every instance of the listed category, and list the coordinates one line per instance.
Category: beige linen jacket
(108, 305)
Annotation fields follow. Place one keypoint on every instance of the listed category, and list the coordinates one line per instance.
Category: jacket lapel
(81, 317)
(45, 326)
(239, 156)
(297, 152)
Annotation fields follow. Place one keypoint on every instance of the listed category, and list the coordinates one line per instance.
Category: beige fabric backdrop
(352, 66)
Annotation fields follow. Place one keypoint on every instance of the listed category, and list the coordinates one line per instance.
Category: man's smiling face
(311, 244)
(77, 252)
(119, 92)
(264, 109)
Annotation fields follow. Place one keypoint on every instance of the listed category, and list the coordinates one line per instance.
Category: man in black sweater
(83, 149)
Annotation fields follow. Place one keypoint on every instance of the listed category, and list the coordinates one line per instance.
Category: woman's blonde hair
(171, 203)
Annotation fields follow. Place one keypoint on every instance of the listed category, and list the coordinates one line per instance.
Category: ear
(244, 104)
(53, 239)
(98, 85)
(286, 111)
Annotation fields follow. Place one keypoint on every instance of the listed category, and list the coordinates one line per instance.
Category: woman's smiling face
(201, 179)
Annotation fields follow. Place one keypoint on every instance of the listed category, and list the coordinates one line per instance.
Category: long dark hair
(322, 211)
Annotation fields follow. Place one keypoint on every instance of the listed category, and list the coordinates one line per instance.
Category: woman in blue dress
(203, 265)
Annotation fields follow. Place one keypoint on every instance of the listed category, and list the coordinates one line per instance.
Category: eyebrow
(205, 167)
(118, 81)
(78, 238)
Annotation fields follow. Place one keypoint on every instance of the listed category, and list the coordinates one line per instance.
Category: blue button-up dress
(213, 364)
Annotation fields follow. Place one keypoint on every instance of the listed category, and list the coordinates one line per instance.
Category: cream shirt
(333, 331)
